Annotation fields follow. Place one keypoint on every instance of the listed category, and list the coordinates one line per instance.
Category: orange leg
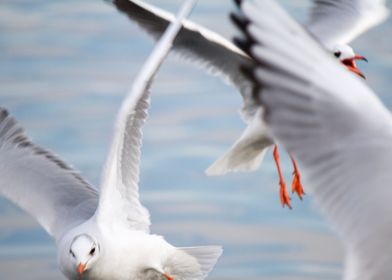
(284, 196)
(296, 185)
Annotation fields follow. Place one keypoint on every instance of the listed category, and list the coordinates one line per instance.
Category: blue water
(65, 67)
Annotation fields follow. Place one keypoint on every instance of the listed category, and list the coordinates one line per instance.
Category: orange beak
(352, 66)
(168, 277)
(81, 268)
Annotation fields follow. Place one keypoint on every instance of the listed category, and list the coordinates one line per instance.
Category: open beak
(168, 277)
(81, 268)
(352, 66)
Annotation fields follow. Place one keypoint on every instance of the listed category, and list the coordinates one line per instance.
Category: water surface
(65, 67)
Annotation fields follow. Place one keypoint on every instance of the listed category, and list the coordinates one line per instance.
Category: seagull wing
(119, 200)
(336, 128)
(195, 43)
(337, 22)
(40, 183)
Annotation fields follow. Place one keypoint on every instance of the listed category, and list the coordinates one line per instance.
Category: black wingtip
(248, 72)
(238, 3)
(240, 22)
(245, 44)
(241, 43)
(3, 114)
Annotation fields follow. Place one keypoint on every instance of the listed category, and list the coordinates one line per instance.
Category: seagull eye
(338, 54)
(92, 251)
(72, 253)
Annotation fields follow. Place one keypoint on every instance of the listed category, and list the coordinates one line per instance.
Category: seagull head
(134, 254)
(84, 252)
(348, 57)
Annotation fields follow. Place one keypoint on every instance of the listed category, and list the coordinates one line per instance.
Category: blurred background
(65, 67)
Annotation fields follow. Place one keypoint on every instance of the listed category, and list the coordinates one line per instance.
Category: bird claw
(284, 196)
(296, 185)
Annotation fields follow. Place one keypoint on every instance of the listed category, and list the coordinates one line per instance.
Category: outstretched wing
(119, 200)
(337, 22)
(195, 43)
(40, 183)
(336, 128)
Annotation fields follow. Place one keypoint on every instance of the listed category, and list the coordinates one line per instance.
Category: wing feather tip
(238, 3)
(240, 22)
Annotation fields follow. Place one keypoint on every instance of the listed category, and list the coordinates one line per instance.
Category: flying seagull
(334, 125)
(106, 235)
(333, 22)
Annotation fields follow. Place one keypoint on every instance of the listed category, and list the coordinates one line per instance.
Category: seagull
(334, 125)
(106, 235)
(334, 23)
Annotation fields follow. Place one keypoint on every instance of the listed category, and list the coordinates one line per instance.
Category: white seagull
(335, 126)
(333, 22)
(102, 236)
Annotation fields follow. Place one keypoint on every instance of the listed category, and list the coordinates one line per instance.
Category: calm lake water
(65, 67)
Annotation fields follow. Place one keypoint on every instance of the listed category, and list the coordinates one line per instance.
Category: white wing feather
(337, 22)
(215, 53)
(247, 152)
(336, 128)
(40, 183)
(119, 201)
(197, 44)
(206, 256)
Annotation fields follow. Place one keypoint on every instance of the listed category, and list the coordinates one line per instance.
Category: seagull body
(335, 126)
(214, 52)
(127, 256)
(333, 23)
(106, 235)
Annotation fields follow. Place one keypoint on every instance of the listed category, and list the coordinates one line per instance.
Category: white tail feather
(247, 152)
(206, 256)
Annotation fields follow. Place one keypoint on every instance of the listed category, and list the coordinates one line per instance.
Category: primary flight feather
(333, 22)
(335, 126)
(106, 235)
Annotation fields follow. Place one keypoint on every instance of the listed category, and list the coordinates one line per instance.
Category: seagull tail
(247, 152)
(206, 256)
(240, 158)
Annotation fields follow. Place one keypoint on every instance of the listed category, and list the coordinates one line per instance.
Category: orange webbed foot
(296, 186)
(284, 196)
